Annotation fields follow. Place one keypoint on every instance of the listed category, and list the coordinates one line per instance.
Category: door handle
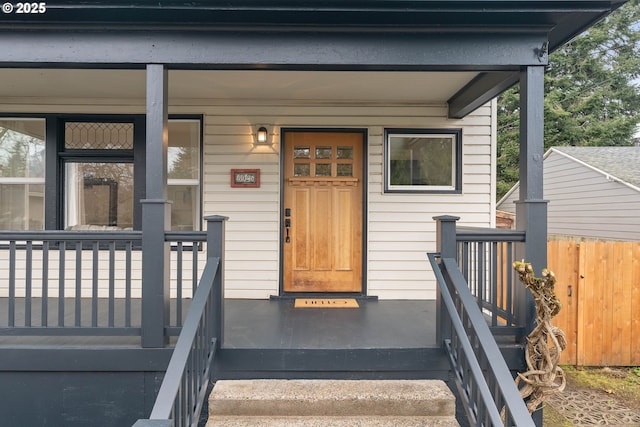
(287, 226)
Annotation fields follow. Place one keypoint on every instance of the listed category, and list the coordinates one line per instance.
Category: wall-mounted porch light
(261, 135)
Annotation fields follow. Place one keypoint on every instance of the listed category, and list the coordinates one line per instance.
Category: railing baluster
(194, 268)
(62, 255)
(94, 285)
(473, 267)
(464, 261)
(184, 414)
(509, 278)
(28, 284)
(480, 268)
(45, 284)
(112, 283)
(188, 382)
(127, 285)
(500, 270)
(178, 414)
(12, 284)
(493, 283)
(179, 284)
(78, 297)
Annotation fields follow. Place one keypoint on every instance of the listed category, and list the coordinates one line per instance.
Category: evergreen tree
(592, 94)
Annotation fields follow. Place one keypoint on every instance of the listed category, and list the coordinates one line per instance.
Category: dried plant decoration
(544, 376)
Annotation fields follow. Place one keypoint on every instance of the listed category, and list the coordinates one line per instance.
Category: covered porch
(370, 69)
(381, 339)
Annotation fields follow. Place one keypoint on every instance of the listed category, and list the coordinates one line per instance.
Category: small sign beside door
(245, 178)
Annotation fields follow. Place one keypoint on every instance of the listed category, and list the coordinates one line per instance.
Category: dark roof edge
(331, 13)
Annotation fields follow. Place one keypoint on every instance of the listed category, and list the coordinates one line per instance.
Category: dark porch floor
(271, 324)
(376, 324)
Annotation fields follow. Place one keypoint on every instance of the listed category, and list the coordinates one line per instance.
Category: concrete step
(332, 402)
(262, 421)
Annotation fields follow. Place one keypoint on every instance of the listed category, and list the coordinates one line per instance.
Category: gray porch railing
(187, 247)
(484, 381)
(485, 258)
(72, 283)
(182, 393)
(486, 387)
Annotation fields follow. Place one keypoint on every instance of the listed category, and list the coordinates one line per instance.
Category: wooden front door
(322, 217)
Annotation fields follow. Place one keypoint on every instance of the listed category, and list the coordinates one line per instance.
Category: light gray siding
(585, 202)
(400, 228)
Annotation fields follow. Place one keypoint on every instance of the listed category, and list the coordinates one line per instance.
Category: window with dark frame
(422, 160)
(94, 162)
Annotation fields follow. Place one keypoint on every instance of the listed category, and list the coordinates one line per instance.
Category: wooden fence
(598, 283)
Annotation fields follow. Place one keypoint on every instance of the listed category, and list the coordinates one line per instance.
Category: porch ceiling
(495, 37)
(318, 86)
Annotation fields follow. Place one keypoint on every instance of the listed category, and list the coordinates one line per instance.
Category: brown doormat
(326, 303)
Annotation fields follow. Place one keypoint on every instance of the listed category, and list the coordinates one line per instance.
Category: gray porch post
(156, 215)
(215, 249)
(447, 247)
(531, 208)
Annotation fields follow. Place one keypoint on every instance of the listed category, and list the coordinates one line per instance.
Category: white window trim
(21, 180)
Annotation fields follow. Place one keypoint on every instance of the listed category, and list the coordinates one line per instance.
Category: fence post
(447, 247)
(215, 249)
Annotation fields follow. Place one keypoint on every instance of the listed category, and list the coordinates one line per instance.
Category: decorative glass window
(22, 166)
(98, 136)
(98, 175)
(423, 160)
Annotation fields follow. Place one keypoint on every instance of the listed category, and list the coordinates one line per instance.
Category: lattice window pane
(345, 152)
(345, 170)
(98, 136)
(323, 169)
(301, 169)
(301, 153)
(323, 152)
